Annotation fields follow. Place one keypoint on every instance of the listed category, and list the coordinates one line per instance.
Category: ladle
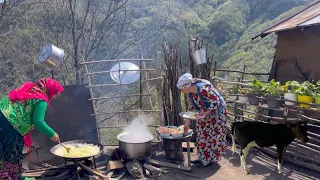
(68, 149)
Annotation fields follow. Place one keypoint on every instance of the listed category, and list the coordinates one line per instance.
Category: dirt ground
(260, 165)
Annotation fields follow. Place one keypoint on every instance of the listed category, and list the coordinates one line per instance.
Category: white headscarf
(185, 81)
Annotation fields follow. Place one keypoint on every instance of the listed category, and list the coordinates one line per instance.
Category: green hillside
(95, 30)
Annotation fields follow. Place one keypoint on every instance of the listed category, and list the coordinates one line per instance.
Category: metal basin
(129, 150)
(51, 56)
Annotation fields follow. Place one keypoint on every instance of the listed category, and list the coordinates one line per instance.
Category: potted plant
(255, 91)
(290, 89)
(243, 98)
(317, 99)
(273, 92)
(305, 93)
(317, 96)
(233, 93)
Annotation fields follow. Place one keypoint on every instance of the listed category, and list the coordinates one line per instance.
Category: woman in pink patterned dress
(210, 131)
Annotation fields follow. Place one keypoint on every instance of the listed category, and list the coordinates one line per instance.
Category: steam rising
(137, 131)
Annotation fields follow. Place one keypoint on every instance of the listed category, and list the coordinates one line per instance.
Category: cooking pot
(51, 56)
(134, 150)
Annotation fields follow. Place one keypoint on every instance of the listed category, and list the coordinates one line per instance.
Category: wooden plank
(115, 165)
(104, 72)
(105, 85)
(127, 96)
(115, 60)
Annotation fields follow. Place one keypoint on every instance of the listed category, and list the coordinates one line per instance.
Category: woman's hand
(204, 113)
(55, 138)
(186, 126)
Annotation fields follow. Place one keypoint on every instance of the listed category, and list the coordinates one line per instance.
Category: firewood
(152, 168)
(78, 175)
(104, 177)
(169, 165)
(63, 174)
(103, 163)
(135, 169)
(115, 165)
(121, 175)
(102, 168)
(110, 174)
(34, 167)
(91, 177)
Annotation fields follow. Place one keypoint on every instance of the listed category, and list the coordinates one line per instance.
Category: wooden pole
(147, 84)
(140, 105)
(159, 84)
(214, 68)
(92, 102)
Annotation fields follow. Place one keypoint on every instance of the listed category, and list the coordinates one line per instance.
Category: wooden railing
(303, 154)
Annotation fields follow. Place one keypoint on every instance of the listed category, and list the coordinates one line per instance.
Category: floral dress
(211, 131)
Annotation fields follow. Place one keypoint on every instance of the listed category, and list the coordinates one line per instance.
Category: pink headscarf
(45, 89)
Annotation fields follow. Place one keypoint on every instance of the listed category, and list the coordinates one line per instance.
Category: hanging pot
(243, 98)
(233, 97)
(317, 101)
(253, 99)
(51, 56)
(291, 97)
(305, 99)
(273, 102)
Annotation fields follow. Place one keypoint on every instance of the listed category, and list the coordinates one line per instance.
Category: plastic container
(305, 99)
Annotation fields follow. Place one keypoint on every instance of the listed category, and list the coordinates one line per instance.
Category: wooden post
(141, 91)
(159, 85)
(243, 70)
(242, 78)
(147, 84)
(237, 111)
(214, 68)
(92, 101)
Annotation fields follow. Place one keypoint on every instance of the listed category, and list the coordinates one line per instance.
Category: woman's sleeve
(190, 107)
(38, 119)
(210, 96)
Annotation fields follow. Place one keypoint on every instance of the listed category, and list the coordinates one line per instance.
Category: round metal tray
(185, 115)
(188, 134)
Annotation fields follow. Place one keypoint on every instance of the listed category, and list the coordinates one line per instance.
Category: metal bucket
(129, 150)
(51, 56)
(199, 56)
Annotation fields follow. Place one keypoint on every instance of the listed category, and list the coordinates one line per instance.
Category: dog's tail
(233, 138)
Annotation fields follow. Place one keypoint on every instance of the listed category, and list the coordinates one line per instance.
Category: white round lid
(125, 77)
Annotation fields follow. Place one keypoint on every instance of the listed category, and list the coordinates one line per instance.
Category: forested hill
(229, 26)
(105, 29)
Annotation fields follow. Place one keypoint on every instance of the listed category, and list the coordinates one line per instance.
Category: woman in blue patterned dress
(210, 131)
